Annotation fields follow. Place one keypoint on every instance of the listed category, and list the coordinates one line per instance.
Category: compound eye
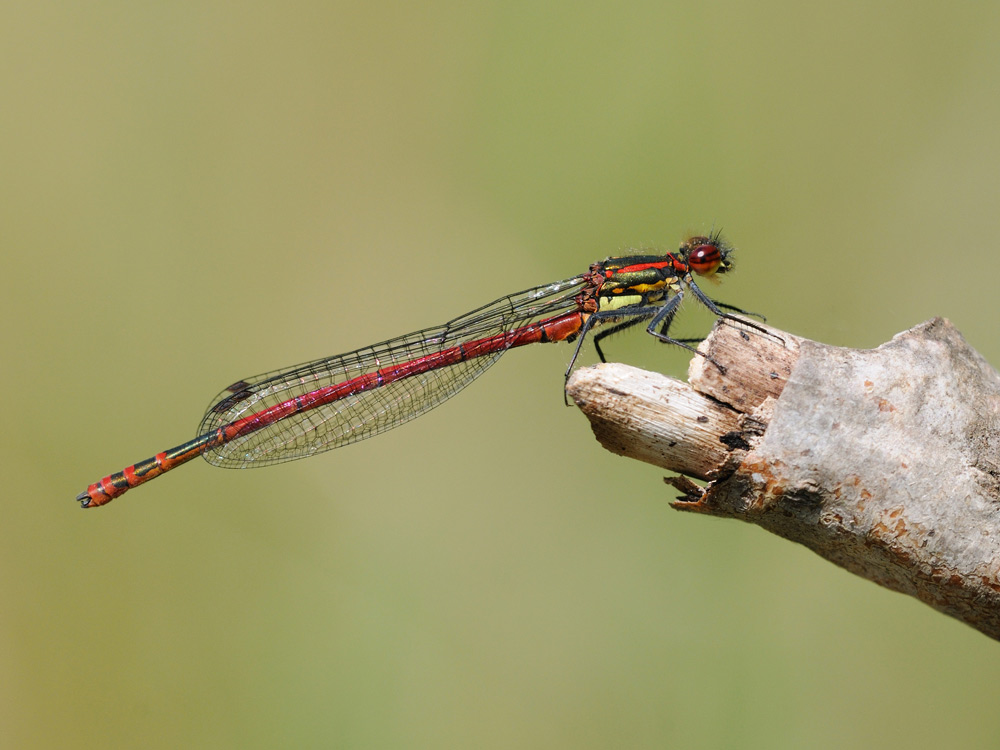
(705, 259)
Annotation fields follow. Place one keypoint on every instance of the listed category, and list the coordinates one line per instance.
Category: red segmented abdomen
(558, 328)
(117, 484)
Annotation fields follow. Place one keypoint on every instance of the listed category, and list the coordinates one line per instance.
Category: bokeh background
(194, 192)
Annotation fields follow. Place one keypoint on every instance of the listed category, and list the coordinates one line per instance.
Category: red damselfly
(307, 409)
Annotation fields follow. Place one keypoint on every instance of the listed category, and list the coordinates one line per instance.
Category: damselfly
(307, 409)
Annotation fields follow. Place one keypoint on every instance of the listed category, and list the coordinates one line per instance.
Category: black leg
(660, 317)
(715, 308)
(738, 310)
(581, 337)
(638, 313)
(662, 320)
(618, 327)
(665, 317)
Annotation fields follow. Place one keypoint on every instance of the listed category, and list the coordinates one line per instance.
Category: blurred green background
(195, 192)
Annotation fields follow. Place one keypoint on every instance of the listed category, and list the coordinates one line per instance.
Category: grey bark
(884, 461)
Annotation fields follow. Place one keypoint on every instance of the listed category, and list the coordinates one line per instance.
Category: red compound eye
(705, 259)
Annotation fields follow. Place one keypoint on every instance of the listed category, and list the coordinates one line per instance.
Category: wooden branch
(884, 461)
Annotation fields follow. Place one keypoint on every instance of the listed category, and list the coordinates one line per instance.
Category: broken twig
(884, 461)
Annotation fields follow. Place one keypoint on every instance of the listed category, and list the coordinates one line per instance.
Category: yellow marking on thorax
(643, 288)
(619, 301)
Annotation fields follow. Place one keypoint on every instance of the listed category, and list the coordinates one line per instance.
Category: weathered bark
(884, 461)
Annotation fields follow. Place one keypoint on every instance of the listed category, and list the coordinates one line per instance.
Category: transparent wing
(368, 406)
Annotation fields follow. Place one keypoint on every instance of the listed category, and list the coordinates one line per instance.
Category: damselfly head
(707, 256)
